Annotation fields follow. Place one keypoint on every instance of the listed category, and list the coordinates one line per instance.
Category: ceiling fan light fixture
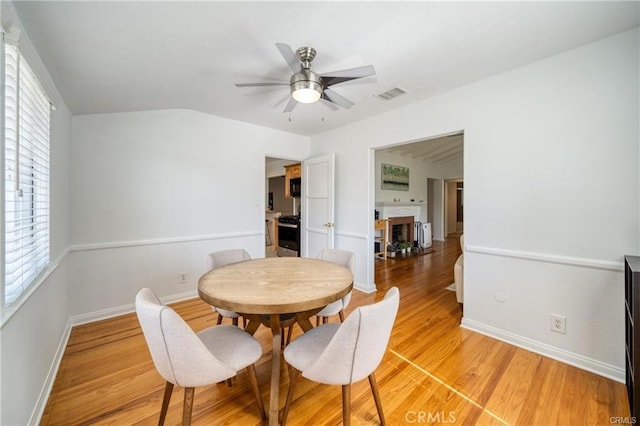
(306, 87)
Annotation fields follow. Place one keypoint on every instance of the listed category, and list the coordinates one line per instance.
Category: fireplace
(401, 229)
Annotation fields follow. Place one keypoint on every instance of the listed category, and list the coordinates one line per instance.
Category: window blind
(26, 157)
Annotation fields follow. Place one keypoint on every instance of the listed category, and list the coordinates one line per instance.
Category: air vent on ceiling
(390, 94)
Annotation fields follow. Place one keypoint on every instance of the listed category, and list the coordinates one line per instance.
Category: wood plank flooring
(433, 372)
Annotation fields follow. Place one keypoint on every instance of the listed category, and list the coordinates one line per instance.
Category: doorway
(276, 202)
(434, 193)
(454, 205)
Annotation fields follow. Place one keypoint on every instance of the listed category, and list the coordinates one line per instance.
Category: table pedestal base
(274, 322)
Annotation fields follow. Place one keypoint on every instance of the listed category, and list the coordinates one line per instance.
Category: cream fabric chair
(187, 359)
(341, 354)
(458, 275)
(348, 260)
(221, 258)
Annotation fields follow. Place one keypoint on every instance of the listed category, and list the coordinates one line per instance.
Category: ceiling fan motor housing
(306, 55)
(306, 86)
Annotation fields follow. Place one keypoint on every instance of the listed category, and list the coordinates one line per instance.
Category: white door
(317, 204)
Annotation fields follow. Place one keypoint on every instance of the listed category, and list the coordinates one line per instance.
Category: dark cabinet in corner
(632, 333)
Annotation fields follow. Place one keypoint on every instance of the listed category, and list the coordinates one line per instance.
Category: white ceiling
(440, 150)
(127, 56)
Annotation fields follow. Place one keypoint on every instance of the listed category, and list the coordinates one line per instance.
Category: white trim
(41, 402)
(353, 235)
(589, 364)
(364, 289)
(176, 240)
(126, 309)
(580, 262)
(10, 310)
(30, 53)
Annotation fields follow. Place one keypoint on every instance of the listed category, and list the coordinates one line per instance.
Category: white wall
(154, 192)
(419, 171)
(31, 337)
(551, 190)
(32, 334)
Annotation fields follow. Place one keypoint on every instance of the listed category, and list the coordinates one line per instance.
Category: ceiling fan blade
(263, 84)
(341, 76)
(282, 100)
(290, 105)
(337, 99)
(328, 103)
(289, 56)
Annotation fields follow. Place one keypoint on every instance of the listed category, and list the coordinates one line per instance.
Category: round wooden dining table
(268, 290)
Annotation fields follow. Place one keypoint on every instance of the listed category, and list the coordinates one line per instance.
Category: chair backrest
(177, 352)
(340, 257)
(225, 257)
(357, 348)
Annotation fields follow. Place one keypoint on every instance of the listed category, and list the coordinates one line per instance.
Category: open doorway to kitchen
(419, 183)
(281, 206)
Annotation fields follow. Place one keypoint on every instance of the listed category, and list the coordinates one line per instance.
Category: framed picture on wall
(395, 177)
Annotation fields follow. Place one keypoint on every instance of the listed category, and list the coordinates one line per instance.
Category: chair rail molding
(158, 241)
(606, 265)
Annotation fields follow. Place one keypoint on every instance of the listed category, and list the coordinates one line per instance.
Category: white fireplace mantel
(397, 209)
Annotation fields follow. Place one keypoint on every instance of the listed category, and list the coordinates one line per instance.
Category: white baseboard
(600, 368)
(41, 403)
(364, 290)
(126, 309)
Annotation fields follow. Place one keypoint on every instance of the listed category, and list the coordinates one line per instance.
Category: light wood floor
(434, 372)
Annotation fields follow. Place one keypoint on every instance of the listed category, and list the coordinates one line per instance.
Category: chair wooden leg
(317, 321)
(188, 406)
(219, 319)
(253, 379)
(289, 334)
(341, 315)
(325, 320)
(234, 321)
(346, 405)
(376, 397)
(168, 389)
(293, 378)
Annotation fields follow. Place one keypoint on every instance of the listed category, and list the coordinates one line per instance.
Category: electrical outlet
(558, 323)
(183, 278)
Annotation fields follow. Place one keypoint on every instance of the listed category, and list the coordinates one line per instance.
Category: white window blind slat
(26, 132)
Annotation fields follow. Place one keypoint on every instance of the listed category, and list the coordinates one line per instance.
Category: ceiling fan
(305, 85)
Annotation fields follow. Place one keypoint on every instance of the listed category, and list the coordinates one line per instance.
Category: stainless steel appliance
(289, 236)
(295, 187)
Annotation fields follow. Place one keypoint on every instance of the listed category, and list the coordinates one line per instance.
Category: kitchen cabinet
(292, 171)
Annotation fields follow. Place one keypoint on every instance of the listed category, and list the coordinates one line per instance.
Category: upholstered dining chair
(348, 260)
(187, 359)
(341, 354)
(221, 258)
